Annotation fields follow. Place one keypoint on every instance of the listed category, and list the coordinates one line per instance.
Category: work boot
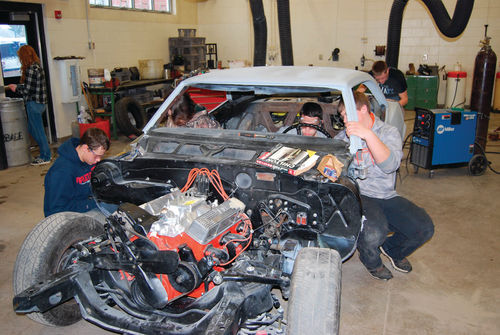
(381, 273)
(402, 265)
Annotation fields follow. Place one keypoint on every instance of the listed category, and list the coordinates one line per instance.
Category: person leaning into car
(186, 113)
(67, 183)
(392, 82)
(385, 211)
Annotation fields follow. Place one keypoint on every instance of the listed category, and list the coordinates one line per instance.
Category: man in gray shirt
(385, 211)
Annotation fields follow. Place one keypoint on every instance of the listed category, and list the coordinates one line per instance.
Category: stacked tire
(130, 116)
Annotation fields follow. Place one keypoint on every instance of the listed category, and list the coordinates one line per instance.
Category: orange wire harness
(213, 176)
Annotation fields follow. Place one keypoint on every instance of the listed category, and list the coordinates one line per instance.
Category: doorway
(20, 24)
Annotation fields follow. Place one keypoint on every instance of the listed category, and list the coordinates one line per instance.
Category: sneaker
(39, 161)
(381, 273)
(402, 265)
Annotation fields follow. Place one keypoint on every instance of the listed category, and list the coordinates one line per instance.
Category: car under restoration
(203, 236)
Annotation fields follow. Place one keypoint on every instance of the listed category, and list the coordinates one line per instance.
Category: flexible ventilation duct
(449, 27)
(285, 32)
(260, 32)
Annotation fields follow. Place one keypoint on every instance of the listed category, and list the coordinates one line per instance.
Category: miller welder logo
(441, 129)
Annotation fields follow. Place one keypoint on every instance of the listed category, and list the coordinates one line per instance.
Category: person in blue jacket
(67, 183)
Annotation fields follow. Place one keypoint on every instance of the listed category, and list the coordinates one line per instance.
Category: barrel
(455, 89)
(15, 131)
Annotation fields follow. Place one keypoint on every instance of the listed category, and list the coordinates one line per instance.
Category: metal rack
(211, 52)
(189, 47)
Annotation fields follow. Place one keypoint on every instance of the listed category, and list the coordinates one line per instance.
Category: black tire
(314, 305)
(130, 116)
(44, 253)
(478, 165)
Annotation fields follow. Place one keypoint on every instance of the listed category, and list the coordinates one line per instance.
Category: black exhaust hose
(394, 32)
(285, 32)
(449, 27)
(260, 32)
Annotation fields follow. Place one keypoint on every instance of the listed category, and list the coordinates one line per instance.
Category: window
(12, 37)
(150, 5)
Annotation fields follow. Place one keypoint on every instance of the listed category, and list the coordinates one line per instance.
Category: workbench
(112, 92)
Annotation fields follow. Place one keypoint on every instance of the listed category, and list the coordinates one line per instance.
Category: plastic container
(455, 89)
(15, 131)
(99, 123)
(151, 68)
(96, 77)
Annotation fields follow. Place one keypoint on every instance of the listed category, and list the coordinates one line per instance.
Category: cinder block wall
(121, 38)
(355, 27)
(318, 26)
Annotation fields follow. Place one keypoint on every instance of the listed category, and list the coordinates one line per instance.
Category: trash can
(15, 131)
(3, 154)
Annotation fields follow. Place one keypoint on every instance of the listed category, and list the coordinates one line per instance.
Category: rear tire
(478, 165)
(314, 305)
(45, 251)
(130, 116)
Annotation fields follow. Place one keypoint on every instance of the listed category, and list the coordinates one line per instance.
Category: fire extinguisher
(482, 89)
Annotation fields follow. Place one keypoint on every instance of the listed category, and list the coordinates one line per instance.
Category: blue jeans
(411, 227)
(36, 129)
(106, 208)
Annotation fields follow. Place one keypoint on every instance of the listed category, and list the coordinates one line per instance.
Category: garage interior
(453, 288)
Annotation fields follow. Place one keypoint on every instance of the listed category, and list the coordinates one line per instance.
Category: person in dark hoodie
(67, 183)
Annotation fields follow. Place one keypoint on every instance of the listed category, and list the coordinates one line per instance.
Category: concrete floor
(454, 287)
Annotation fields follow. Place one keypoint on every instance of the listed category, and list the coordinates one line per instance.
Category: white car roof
(282, 79)
(283, 76)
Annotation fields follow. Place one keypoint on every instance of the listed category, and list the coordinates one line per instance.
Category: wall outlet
(320, 57)
(425, 57)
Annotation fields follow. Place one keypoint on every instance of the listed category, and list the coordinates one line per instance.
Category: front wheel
(48, 249)
(314, 305)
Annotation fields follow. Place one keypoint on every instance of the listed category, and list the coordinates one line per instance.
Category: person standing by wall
(34, 91)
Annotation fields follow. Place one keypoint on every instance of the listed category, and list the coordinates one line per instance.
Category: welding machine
(445, 138)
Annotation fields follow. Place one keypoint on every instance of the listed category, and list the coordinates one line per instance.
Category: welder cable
(487, 161)
(455, 94)
(407, 156)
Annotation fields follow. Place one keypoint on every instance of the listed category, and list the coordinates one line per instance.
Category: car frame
(205, 257)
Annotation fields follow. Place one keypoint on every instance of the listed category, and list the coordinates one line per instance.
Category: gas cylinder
(482, 89)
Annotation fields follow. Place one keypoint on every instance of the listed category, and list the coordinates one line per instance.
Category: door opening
(20, 24)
